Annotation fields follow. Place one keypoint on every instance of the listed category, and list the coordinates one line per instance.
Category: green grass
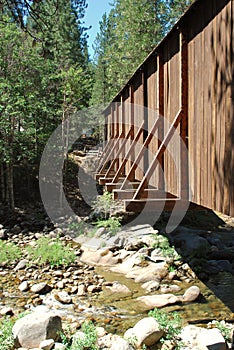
(9, 252)
(86, 342)
(51, 252)
(6, 337)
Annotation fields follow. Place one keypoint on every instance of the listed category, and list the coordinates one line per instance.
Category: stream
(118, 312)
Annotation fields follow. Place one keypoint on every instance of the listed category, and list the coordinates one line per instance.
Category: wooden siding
(191, 70)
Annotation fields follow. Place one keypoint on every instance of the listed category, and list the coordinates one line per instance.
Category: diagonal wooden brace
(129, 152)
(140, 155)
(160, 151)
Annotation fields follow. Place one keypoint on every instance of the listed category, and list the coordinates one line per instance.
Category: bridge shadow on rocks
(205, 240)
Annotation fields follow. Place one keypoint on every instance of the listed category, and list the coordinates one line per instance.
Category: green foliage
(89, 341)
(163, 244)
(171, 324)
(221, 325)
(52, 252)
(112, 224)
(9, 252)
(77, 227)
(126, 36)
(105, 204)
(6, 337)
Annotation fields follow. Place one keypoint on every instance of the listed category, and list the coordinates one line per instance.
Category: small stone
(63, 297)
(59, 346)
(3, 233)
(60, 284)
(47, 344)
(21, 265)
(93, 288)
(23, 287)
(81, 290)
(74, 290)
(6, 311)
(121, 344)
(41, 288)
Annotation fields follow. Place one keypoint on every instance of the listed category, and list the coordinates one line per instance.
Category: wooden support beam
(141, 153)
(129, 152)
(184, 179)
(160, 65)
(160, 151)
(121, 148)
(150, 205)
(109, 155)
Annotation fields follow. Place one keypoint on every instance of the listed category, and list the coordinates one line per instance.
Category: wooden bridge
(170, 131)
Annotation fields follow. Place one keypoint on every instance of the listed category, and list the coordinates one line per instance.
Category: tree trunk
(10, 187)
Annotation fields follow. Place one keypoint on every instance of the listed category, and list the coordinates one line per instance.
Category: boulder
(191, 294)
(160, 300)
(119, 288)
(211, 339)
(30, 330)
(147, 331)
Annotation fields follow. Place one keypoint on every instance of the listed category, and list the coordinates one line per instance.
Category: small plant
(6, 337)
(88, 341)
(9, 252)
(105, 204)
(163, 244)
(221, 325)
(112, 224)
(171, 324)
(78, 227)
(52, 252)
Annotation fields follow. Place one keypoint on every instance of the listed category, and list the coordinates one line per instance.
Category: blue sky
(93, 15)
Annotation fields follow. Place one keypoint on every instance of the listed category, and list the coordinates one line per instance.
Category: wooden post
(161, 182)
(184, 181)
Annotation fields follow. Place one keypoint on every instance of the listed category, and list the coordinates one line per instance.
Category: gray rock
(147, 331)
(119, 288)
(21, 265)
(41, 288)
(23, 287)
(211, 339)
(191, 294)
(30, 330)
(151, 286)
(3, 233)
(6, 311)
(59, 346)
(47, 344)
(121, 344)
(81, 290)
(63, 297)
(160, 300)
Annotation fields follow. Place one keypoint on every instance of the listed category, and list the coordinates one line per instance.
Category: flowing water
(117, 312)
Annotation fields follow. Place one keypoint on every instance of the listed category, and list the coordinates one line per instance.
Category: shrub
(9, 252)
(112, 224)
(171, 324)
(105, 204)
(52, 252)
(6, 337)
(89, 341)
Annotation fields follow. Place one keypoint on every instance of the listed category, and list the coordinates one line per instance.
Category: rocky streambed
(115, 280)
